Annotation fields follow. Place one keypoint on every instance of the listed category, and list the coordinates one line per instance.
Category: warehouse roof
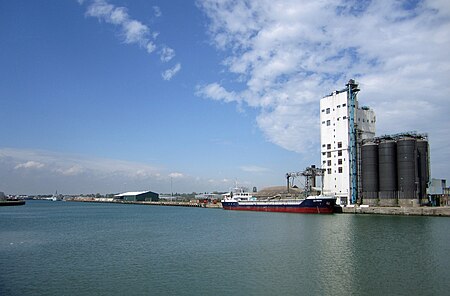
(132, 193)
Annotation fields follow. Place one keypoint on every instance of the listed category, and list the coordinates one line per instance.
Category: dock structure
(151, 203)
(5, 203)
(403, 211)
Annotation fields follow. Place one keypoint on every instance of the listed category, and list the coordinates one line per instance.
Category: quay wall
(4, 203)
(405, 211)
(152, 203)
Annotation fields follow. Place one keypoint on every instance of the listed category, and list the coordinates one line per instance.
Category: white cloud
(150, 47)
(167, 54)
(135, 32)
(155, 35)
(176, 175)
(157, 11)
(59, 168)
(286, 55)
(71, 171)
(75, 174)
(216, 92)
(101, 10)
(132, 31)
(118, 16)
(169, 73)
(253, 169)
(29, 165)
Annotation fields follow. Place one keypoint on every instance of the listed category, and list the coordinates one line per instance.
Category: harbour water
(70, 248)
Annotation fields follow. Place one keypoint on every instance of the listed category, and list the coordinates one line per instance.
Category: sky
(103, 96)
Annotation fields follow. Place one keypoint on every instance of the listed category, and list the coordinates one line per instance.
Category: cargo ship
(245, 201)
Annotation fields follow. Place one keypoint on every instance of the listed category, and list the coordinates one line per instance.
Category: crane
(310, 174)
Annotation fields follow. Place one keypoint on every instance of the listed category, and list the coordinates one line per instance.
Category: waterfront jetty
(404, 211)
(192, 204)
(15, 202)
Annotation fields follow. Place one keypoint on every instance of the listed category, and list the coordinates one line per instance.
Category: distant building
(446, 201)
(438, 192)
(138, 196)
(437, 186)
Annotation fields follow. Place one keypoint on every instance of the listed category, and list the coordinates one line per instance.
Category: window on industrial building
(339, 106)
(323, 153)
(328, 146)
(345, 117)
(343, 105)
(323, 145)
(328, 122)
(328, 111)
(323, 110)
(329, 163)
(328, 154)
(340, 153)
(323, 122)
(324, 162)
(339, 169)
(339, 161)
(329, 171)
(339, 144)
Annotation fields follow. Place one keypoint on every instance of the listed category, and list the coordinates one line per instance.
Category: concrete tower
(343, 124)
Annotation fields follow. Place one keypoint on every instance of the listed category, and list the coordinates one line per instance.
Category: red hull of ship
(303, 210)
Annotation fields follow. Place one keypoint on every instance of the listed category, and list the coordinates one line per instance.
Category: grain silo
(387, 164)
(407, 170)
(403, 170)
(423, 169)
(369, 173)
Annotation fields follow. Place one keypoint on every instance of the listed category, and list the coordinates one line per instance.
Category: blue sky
(108, 96)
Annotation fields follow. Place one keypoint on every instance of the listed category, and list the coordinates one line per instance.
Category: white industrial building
(343, 124)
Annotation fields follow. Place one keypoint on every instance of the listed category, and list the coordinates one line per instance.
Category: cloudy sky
(109, 96)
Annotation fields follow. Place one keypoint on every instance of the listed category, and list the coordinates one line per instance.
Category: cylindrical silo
(407, 168)
(369, 173)
(387, 172)
(423, 169)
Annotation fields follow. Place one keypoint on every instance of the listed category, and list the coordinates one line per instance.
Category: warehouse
(138, 196)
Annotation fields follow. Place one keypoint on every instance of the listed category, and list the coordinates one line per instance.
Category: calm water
(65, 248)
